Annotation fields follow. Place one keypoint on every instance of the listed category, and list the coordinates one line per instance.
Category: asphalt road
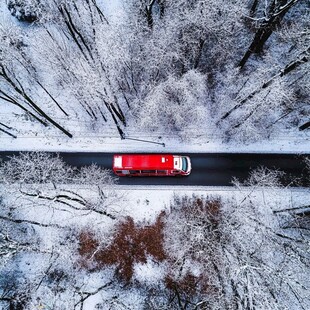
(207, 169)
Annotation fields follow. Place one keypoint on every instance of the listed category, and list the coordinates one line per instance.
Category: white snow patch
(150, 272)
(145, 205)
(113, 9)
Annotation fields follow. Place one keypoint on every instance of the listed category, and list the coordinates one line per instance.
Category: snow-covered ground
(29, 140)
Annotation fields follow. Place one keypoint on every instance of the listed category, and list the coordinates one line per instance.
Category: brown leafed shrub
(88, 243)
(195, 207)
(205, 214)
(87, 247)
(189, 285)
(131, 244)
(211, 207)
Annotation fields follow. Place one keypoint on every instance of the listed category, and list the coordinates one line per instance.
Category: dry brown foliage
(131, 244)
(188, 285)
(87, 246)
(209, 208)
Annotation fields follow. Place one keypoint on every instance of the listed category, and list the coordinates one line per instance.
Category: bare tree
(251, 255)
(12, 88)
(273, 15)
(40, 226)
(35, 168)
(36, 172)
(91, 75)
(180, 104)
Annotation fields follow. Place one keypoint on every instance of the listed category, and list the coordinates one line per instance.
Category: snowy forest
(73, 238)
(239, 68)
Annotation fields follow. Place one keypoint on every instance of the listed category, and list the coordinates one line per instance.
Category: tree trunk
(276, 13)
(8, 133)
(304, 126)
(31, 103)
(149, 13)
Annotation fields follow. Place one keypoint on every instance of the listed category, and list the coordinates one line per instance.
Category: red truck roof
(143, 161)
